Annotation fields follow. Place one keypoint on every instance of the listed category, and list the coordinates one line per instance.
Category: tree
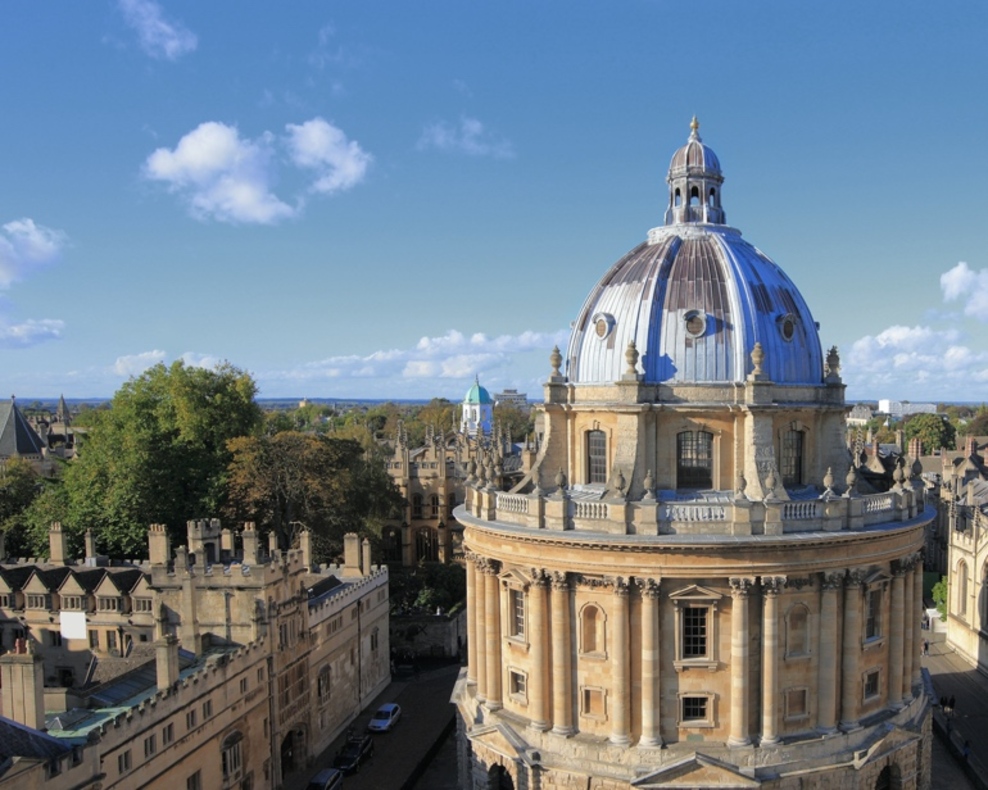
(290, 480)
(934, 431)
(159, 453)
(978, 425)
(19, 485)
(939, 593)
(516, 423)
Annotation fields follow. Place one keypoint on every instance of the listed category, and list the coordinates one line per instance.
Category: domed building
(477, 410)
(688, 590)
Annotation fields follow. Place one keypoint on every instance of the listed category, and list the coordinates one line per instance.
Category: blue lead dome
(695, 298)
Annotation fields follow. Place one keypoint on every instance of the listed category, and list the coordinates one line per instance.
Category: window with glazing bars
(792, 458)
(694, 459)
(517, 598)
(596, 457)
(694, 632)
(694, 708)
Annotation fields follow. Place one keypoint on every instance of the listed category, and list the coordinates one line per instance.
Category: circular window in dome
(603, 323)
(787, 326)
(696, 323)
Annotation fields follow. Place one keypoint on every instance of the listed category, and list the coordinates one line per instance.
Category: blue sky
(384, 199)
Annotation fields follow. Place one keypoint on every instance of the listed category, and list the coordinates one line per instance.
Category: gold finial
(694, 125)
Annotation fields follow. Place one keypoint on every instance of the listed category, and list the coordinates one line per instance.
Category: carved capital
(621, 586)
(559, 581)
(741, 586)
(488, 567)
(649, 587)
(772, 585)
(832, 580)
(539, 577)
(855, 577)
(799, 582)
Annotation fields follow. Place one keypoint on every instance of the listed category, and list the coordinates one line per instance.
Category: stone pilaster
(651, 669)
(480, 616)
(740, 592)
(471, 618)
(492, 630)
(851, 663)
(896, 626)
(827, 696)
(918, 613)
(562, 696)
(912, 617)
(771, 587)
(621, 666)
(538, 701)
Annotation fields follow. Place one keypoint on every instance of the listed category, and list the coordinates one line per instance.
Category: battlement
(338, 599)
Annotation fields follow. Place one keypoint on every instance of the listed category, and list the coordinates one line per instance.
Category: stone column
(771, 586)
(471, 559)
(562, 695)
(479, 615)
(896, 626)
(538, 703)
(651, 670)
(918, 603)
(740, 589)
(827, 697)
(492, 628)
(912, 617)
(621, 666)
(850, 665)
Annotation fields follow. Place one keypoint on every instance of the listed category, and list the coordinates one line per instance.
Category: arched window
(450, 504)
(797, 631)
(694, 196)
(792, 458)
(325, 683)
(232, 756)
(712, 198)
(426, 546)
(694, 459)
(596, 457)
(434, 504)
(416, 506)
(962, 589)
(392, 545)
(678, 199)
(591, 630)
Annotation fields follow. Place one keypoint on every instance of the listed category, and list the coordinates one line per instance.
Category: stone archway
(292, 752)
(498, 778)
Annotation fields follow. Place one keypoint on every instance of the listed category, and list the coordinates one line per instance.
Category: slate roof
(18, 740)
(17, 437)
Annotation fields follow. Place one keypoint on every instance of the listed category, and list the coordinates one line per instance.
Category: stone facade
(688, 588)
(234, 673)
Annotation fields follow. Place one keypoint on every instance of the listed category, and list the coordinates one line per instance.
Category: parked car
(326, 779)
(385, 718)
(356, 750)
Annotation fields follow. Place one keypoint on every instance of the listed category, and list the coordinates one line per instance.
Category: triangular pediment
(695, 771)
(877, 577)
(515, 576)
(695, 593)
(502, 740)
(894, 739)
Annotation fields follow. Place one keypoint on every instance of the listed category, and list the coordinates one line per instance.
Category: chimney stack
(58, 542)
(351, 554)
(22, 676)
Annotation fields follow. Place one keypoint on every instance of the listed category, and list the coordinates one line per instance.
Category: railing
(512, 503)
(590, 510)
(800, 511)
(878, 503)
(701, 511)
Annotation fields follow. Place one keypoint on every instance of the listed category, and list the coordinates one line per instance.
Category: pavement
(409, 750)
(963, 730)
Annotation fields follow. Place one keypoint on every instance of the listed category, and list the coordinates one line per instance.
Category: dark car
(326, 779)
(356, 750)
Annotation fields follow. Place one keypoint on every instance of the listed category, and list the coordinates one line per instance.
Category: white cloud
(25, 246)
(135, 364)
(222, 176)
(318, 145)
(30, 332)
(970, 287)
(207, 361)
(468, 137)
(159, 38)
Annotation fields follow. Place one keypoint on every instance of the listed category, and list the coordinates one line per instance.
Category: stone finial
(897, 475)
(631, 357)
(649, 483)
(851, 481)
(741, 486)
(828, 480)
(757, 358)
(833, 364)
(771, 481)
(536, 480)
(560, 478)
(556, 360)
(619, 482)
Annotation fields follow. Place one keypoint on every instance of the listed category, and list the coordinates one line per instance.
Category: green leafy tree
(26, 533)
(939, 594)
(294, 479)
(159, 453)
(19, 485)
(934, 431)
(517, 423)
(978, 424)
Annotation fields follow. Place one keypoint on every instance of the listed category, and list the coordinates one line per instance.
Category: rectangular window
(694, 459)
(123, 762)
(232, 759)
(596, 457)
(72, 602)
(55, 638)
(108, 604)
(695, 632)
(207, 709)
(871, 685)
(873, 623)
(593, 702)
(111, 640)
(94, 640)
(37, 601)
(150, 745)
(792, 458)
(695, 709)
(5, 600)
(194, 782)
(516, 600)
(243, 685)
(796, 704)
(190, 720)
(167, 734)
(142, 605)
(516, 684)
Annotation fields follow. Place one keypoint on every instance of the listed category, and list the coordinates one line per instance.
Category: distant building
(477, 411)
(19, 440)
(212, 668)
(859, 415)
(895, 408)
(514, 398)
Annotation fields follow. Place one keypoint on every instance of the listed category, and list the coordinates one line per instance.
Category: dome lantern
(694, 183)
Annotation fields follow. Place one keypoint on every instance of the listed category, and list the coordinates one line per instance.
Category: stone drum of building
(687, 589)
